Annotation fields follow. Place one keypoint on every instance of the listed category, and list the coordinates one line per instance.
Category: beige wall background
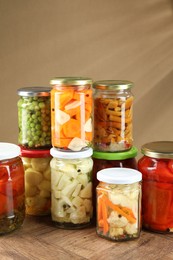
(133, 40)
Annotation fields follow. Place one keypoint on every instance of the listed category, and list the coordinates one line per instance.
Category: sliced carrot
(88, 96)
(119, 209)
(72, 128)
(105, 216)
(63, 142)
(88, 136)
(64, 98)
(72, 112)
(99, 209)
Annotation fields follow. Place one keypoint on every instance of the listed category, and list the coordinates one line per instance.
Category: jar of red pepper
(156, 167)
(12, 199)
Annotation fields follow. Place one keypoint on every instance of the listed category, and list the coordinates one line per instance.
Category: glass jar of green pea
(34, 119)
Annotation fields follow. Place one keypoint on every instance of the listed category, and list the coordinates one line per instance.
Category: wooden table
(39, 239)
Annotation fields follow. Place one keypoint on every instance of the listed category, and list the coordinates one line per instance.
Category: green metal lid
(116, 156)
(71, 81)
(112, 84)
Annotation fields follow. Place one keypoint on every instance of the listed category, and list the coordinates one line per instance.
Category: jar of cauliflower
(119, 204)
(37, 181)
(71, 188)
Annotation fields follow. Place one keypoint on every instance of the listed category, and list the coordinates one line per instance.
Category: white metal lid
(119, 175)
(8, 151)
(71, 155)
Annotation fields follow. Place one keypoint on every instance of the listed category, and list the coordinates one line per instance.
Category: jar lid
(113, 84)
(35, 153)
(8, 151)
(159, 149)
(34, 91)
(116, 156)
(71, 81)
(119, 176)
(71, 155)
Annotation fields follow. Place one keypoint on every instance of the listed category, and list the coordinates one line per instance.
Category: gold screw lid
(159, 149)
(113, 84)
(71, 81)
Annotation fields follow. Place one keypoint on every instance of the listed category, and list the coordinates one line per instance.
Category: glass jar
(34, 117)
(12, 200)
(103, 160)
(113, 102)
(119, 204)
(71, 113)
(156, 167)
(71, 185)
(37, 181)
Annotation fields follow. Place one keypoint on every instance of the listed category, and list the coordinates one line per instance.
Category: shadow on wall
(155, 107)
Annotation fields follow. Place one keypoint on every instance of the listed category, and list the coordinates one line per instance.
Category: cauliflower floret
(131, 229)
(114, 232)
(120, 199)
(117, 220)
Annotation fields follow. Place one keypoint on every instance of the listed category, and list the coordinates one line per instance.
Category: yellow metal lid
(113, 84)
(71, 81)
(160, 149)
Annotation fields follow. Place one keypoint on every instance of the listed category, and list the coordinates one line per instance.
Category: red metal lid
(35, 153)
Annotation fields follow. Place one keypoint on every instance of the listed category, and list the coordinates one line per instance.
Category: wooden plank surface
(39, 239)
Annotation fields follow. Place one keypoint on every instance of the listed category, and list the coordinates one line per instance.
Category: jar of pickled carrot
(37, 181)
(119, 204)
(71, 113)
(156, 167)
(113, 102)
(71, 186)
(34, 117)
(12, 199)
(103, 160)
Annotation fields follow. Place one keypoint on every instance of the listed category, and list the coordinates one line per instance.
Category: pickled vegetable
(118, 211)
(113, 123)
(157, 199)
(12, 203)
(37, 185)
(34, 122)
(71, 192)
(71, 118)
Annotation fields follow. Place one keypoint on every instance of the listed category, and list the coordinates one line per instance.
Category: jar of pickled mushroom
(12, 200)
(71, 185)
(103, 160)
(34, 117)
(119, 204)
(37, 181)
(71, 113)
(156, 167)
(113, 103)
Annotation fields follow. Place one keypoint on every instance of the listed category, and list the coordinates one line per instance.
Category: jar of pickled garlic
(12, 200)
(34, 117)
(103, 160)
(113, 102)
(71, 185)
(156, 167)
(37, 181)
(119, 204)
(71, 113)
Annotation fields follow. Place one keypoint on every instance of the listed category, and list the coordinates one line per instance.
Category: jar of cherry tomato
(156, 167)
(119, 204)
(34, 117)
(103, 160)
(12, 200)
(71, 113)
(113, 102)
(37, 181)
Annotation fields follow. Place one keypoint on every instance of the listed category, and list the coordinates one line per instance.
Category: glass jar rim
(116, 155)
(35, 153)
(113, 84)
(158, 149)
(71, 81)
(119, 175)
(34, 91)
(8, 151)
(71, 155)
